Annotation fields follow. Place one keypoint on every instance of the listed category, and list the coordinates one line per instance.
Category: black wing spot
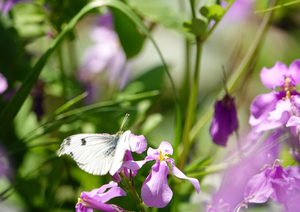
(71, 154)
(68, 141)
(83, 142)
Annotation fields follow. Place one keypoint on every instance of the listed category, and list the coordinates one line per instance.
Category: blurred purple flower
(37, 93)
(3, 84)
(155, 190)
(105, 55)
(97, 198)
(271, 146)
(4, 164)
(272, 110)
(294, 124)
(274, 183)
(239, 11)
(225, 121)
(232, 191)
(293, 203)
(221, 207)
(6, 5)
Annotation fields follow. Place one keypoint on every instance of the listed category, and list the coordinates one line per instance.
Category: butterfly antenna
(125, 119)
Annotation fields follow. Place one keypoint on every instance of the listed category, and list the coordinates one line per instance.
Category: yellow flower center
(161, 156)
(78, 202)
(288, 88)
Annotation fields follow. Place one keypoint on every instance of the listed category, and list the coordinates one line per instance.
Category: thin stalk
(72, 55)
(216, 24)
(192, 3)
(191, 107)
(277, 7)
(238, 143)
(185, 88)
(240, 71)
(133, 191)
(62, 73)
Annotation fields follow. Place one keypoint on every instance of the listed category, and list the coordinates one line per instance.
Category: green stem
(216, 24)
(240, 71)
(133, 191)
(191, 107)
(62, 73)
(277, 7)
(192, 3)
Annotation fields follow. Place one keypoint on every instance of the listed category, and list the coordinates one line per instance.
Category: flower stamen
(288, 88)
(161, 156)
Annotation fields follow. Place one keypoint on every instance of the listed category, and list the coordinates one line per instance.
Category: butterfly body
(97, 154)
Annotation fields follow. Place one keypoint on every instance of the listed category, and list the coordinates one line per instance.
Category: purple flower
(272, 110)
(293, 203)
(221, 207)
(106, 55)
(239, 11)
(224, 121)
(5, 6)
(3, 84)
(137, 144)
(155, 190)
(97, 198)
(273, 182)
(4, 164)
(294, 124)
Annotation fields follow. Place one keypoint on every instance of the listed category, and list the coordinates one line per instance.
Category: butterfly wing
(94, 153)
(122, 146)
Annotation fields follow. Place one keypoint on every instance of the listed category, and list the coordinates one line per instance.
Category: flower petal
(112, 193)
(282, 111)
(102, 189)
(138, 143)
(225, 121)
(3, 84)
(294, 72)
(294, 123)
(259, 187)
(134, 165)
(260, 108)
(166, 148)
(155, 190)
(274, 76)
(94, 204)
(80, 208)
(152, 152)
(181, 175)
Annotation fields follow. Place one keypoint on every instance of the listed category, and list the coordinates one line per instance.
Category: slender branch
(277, 7)
(217, 23)
(191, 107)
(192, 3)
(133, 191)
(240, 71)
(62, 73)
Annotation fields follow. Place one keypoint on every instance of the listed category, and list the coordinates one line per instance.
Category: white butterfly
(97, 154)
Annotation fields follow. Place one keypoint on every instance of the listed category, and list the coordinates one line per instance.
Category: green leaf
(130, 38)
(196, 26)
(158, 12)
(27, 13)
(200, 162)
(8, 114)
(70, 103)
(214, 12)
(13, 62)
(151, 122)
(30, 20)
